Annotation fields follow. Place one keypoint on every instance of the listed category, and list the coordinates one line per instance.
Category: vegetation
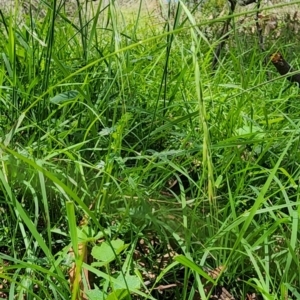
(131, 170)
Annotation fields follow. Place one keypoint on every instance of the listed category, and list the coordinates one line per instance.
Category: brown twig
(261, 40)
(225, 30)
(283, 67)
(224, 34)
(259, 28)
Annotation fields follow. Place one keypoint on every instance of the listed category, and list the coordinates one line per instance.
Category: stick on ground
(283, 67)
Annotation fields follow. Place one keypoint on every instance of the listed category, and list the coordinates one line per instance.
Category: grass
(129, 170)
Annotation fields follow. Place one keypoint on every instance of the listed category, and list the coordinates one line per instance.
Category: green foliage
(119, 120)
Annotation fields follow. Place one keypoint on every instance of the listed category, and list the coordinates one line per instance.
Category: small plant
(129, 169)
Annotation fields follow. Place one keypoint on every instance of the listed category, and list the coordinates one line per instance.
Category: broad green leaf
(105, 254)
(218, 181)
(118, 295)
(95, 294)
(132, 281)
(86, 233)
(248, 132)
(64, 97)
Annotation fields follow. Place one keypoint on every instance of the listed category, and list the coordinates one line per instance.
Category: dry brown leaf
(214, 274)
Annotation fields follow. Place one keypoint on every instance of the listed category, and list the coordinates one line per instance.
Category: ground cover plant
(130, 169)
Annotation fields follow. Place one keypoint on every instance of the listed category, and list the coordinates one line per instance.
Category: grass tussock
(131, 170)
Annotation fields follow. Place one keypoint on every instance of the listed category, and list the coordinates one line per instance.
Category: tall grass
(119, 142)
